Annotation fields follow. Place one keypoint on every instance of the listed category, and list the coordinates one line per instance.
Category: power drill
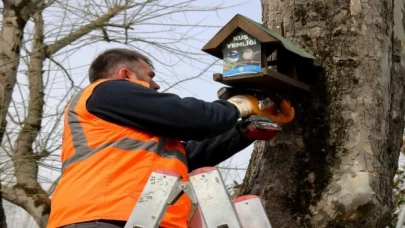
(259, 127)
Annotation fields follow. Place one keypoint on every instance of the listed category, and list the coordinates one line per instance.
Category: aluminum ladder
(211, 204)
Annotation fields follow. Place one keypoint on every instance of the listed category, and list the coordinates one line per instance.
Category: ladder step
(160, 191)
(215, 205)
(251, 212)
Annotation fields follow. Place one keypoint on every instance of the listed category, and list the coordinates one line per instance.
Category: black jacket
(209, 130)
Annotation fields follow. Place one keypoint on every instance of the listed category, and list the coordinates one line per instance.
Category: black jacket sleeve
(211, 152)
(130, 104)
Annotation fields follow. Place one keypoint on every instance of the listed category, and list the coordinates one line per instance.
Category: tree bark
(334, 166)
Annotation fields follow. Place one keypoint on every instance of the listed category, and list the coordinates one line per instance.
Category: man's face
(144, 73)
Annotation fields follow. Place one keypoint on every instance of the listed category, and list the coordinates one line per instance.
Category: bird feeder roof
(257, 30)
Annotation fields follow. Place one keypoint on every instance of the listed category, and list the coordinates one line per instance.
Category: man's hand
(249, 105)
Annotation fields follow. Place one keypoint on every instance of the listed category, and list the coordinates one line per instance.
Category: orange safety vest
(105, 167)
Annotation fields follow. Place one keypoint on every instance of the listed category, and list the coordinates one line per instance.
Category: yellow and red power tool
(258, 127)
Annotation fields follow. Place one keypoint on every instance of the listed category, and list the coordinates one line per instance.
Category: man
(119, 129)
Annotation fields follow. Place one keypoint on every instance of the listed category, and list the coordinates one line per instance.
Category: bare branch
(65, 71)
(13, 120)
(99, 22)
(11, 195)
(191, 78)
(26, 168)
(30, 199)
(182, 25)
(124, 26)
(53, 185)
(47, 4)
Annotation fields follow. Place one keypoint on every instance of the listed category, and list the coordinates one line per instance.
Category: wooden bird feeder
(255, 57)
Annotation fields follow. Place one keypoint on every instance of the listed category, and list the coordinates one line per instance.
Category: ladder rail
(161, 190)
(212, 196)
(251, 211)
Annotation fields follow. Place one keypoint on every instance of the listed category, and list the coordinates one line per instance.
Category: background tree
(36, 41)
(399, 188)
(334, 166)
(15, 16)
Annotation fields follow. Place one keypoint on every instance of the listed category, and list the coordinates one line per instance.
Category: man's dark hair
(107, 63)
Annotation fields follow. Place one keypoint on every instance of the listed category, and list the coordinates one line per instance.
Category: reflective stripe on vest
(82, 151)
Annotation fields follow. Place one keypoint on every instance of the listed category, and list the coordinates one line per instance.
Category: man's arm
(211, 152)
(164, 114)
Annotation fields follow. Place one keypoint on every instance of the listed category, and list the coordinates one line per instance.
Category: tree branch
(25, 162)
(47, 4)
(72, 84)
(34, 200)
(191, 78)
(99, 22)
(53, 185)
(30, 195)
(11, 195)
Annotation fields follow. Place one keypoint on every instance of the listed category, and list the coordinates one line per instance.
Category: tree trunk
(15, 16)
(24, 159)
(3, 221)
(28, 193)
(11, 36)
(334, 166)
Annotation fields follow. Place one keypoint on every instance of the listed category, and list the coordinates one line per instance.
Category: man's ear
(124, 73)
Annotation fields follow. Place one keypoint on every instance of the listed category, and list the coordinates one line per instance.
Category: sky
(202, 87)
